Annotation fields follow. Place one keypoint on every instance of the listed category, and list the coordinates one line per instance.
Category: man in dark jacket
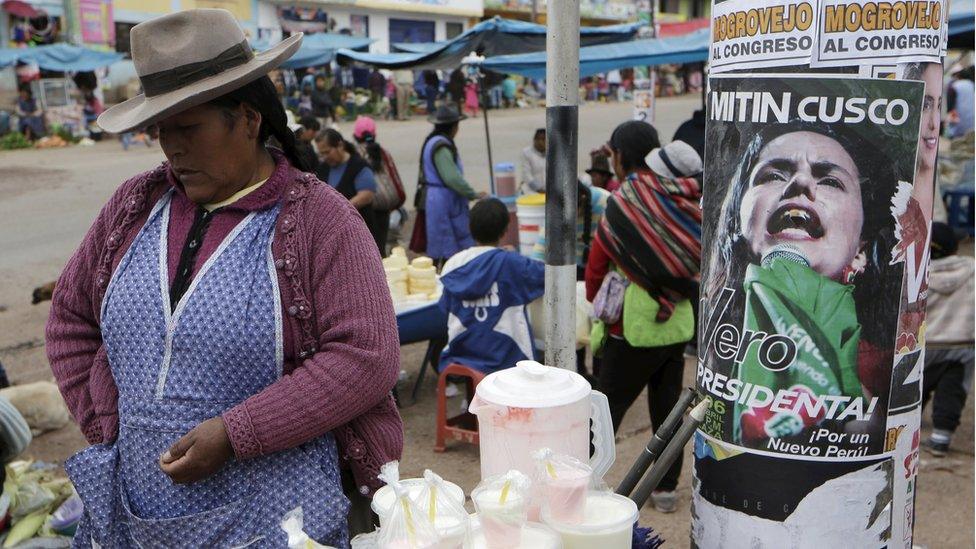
(692, 132)
(322, 106)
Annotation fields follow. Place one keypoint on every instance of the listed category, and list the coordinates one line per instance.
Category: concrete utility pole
(562, 118)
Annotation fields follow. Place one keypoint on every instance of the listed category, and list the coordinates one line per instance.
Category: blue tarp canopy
(60, 57)
(8, 56)
(688, 48)
(318, 49)
(495, 36)
(961, 30)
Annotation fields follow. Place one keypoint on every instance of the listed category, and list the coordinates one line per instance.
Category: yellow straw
(433, 502)
(550, 469)
(504, 495)
(409, 519)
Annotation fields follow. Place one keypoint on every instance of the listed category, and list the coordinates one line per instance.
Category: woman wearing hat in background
(651, 235)
(442, 190)
(600, 174)
(223, 335)
(389, 189)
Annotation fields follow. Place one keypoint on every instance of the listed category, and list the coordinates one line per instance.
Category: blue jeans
(430, 93)
(495, 97)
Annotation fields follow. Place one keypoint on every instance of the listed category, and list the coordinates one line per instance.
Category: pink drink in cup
(501, 522)
(566, 494)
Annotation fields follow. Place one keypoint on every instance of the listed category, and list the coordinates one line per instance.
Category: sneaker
(937, 449)
(664, 502)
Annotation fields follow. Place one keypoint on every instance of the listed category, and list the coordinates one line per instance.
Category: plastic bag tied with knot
(502, 502)
(564, 481)
(444, 511)
(406, 527)
(292, 524)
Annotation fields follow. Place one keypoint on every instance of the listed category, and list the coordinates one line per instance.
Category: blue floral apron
(220, 345)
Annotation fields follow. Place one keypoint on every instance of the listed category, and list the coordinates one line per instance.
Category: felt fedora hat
(599, 163)
(187, 58)
(446, 113)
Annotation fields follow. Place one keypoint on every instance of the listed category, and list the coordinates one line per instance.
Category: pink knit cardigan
(341, 344)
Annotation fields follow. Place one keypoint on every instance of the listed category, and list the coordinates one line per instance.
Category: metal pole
(562, 100)
(671, 452)
(657, 443)
(484, 109)
(651, 70)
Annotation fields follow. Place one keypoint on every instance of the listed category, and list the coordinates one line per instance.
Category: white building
(386, 21)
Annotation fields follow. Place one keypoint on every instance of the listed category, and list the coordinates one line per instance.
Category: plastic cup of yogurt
(534, 536)
(501, 522)
(607, 523)
(384, 498)
(451, 530)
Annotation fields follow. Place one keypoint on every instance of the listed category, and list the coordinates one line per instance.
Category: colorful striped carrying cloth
(652, 231)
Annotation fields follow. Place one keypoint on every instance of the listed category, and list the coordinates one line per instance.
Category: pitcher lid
(533, 385)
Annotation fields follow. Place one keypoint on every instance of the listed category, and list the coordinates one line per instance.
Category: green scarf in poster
(818, 314)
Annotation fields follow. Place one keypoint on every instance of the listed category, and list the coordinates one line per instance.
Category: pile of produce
(14, 140)
(51, 142)
(37, 501)
(414, 281)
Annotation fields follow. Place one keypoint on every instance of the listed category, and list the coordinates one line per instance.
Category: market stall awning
(678, 28)
(689, 48)
(22, 9)
(60, 57)
(318, 49)
(961, 29)
(8, 56)
(495, 36)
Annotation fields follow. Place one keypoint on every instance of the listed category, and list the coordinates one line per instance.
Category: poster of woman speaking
(800, 295)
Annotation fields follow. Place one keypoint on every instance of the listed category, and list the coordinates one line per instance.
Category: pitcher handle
(604, 447)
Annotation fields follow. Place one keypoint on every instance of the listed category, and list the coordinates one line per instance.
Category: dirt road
(48, 198)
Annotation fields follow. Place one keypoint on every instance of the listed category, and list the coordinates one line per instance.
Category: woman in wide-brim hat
(224, 335)
(441, 229)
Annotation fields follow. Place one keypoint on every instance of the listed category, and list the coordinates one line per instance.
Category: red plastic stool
(464, 426)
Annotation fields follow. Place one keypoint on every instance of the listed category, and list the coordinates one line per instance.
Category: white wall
(379, 22)
(268, 19)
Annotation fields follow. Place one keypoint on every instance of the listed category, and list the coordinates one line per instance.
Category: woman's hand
(362, 199)
(198, 454)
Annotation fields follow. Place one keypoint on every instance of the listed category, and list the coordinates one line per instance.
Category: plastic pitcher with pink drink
(523, 409)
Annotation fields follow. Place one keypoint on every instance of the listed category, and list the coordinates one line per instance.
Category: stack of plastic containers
(506, 189)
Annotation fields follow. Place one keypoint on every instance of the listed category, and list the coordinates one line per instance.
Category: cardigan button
(279, 263)
(292, 310)
(287, 223)
(364, 490)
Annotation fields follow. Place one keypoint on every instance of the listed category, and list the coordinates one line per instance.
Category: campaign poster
(801, 292)
(903, 438)
(914, 211)
(867, 32)
(761, 33)
(644, 105)
(744, 500)
(97, 25)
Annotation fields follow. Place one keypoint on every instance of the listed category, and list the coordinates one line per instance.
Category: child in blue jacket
(486, 291)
